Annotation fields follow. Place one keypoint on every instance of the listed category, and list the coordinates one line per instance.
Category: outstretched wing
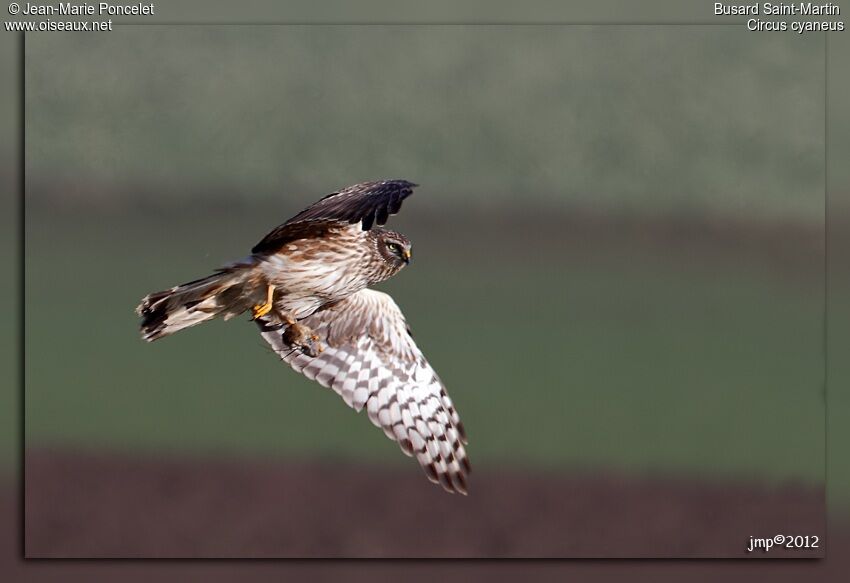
(367, 203)
(371, 361)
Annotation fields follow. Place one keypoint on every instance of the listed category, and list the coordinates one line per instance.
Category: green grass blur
(623, 358)
(624, 119)
(156, 153)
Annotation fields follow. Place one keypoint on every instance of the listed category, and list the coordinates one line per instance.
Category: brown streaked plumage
(305, 283)
(325, 253)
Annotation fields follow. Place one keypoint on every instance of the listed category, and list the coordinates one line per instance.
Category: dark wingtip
(401, 182)
(460, 483)
(466, 465)
(368, 203)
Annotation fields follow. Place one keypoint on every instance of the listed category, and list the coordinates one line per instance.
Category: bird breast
(314, 272)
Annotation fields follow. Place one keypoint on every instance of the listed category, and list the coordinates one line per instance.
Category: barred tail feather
(221, 294)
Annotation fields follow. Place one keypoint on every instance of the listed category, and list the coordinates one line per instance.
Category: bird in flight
(306, 286)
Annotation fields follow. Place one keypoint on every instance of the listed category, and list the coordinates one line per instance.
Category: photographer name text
(99, 9)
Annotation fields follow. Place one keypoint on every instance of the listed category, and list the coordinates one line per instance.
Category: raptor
(306, 286)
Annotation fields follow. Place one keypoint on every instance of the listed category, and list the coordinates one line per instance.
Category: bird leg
(260, 310)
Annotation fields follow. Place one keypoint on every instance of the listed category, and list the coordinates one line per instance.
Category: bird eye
(394, 247)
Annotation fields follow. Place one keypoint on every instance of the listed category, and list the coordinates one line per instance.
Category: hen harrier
(306, 284)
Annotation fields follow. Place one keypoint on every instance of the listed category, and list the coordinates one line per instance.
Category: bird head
(394, 248)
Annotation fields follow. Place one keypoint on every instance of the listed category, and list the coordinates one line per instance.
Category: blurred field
(139, 506)
(631, 120)
(629, 389)
(558, 349)
(618, 268)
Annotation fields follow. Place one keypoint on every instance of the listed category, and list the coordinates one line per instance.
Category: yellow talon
(261, 310)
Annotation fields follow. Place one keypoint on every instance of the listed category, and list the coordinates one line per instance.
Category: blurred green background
(619, 235)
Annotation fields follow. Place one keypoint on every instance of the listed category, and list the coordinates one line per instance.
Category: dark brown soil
(111, 506)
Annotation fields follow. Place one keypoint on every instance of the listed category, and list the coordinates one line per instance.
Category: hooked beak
(406, 255)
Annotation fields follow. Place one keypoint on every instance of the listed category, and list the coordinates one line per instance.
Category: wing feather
(372, 362)
(367, 203)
